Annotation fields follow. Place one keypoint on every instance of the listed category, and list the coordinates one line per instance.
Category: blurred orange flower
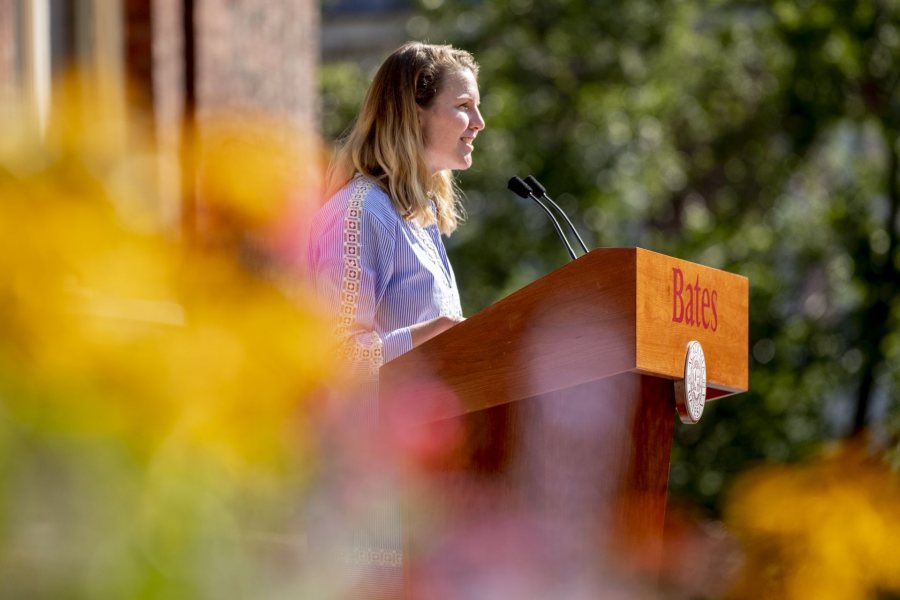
(154, 393)
(829, 529)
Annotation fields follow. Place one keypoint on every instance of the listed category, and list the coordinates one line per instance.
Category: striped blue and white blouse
(379, 272)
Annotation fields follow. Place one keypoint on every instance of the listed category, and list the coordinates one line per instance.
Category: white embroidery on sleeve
(367, 348)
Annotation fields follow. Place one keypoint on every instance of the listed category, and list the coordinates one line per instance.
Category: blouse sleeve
(351, 261)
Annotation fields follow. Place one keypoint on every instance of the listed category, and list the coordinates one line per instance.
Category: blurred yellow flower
(164, 380)
(829, 529)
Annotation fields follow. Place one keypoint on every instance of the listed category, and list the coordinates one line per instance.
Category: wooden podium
(559, 401)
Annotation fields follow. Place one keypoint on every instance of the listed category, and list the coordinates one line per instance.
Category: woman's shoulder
(362, 198)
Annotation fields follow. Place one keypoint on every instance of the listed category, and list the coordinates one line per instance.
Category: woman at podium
(377, 260)
(375, 252)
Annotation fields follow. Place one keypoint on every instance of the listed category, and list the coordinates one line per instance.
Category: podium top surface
(611, 311)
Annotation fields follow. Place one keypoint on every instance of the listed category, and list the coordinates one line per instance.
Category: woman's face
(450, 124)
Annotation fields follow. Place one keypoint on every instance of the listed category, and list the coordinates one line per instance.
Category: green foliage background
(756, 137)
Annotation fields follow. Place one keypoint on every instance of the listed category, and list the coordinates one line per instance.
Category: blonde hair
(386, 143)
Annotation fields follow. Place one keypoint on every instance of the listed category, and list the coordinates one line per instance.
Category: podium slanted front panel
(571, 327)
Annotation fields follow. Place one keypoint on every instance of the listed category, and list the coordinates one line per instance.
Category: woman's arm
(351, 262)
(422, 332)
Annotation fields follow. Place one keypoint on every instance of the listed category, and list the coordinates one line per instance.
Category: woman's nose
(477, 122)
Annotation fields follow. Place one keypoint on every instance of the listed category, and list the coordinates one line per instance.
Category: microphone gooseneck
(537, 188)
(523, 190)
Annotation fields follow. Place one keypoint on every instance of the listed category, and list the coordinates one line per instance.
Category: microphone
(536, 186)
(523, 190)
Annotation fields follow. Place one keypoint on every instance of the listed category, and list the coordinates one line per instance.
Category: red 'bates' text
(693, 305)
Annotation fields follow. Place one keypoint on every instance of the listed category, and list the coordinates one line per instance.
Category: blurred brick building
(256, 54)
(181, 59)
(364, 31)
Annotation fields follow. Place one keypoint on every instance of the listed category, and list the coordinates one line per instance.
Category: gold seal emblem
(690, 393)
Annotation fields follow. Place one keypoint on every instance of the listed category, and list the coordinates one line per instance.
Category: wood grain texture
(606, 313)
(719, 303)
(573, 326)
(562, 398)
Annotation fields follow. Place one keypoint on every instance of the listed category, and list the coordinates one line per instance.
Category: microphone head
(519, 187)
(536, 186)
